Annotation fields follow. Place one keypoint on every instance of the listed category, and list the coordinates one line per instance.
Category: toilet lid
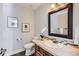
(29, 45)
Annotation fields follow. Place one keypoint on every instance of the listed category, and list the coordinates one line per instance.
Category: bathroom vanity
(60, 24)
(46, 48)
(41, 52)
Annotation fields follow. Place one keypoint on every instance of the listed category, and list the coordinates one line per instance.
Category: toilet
(29, 48)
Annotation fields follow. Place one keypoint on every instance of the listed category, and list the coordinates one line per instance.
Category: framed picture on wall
(12, 22)
(25, 27)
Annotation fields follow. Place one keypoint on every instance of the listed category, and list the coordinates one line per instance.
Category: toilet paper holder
(19, 39)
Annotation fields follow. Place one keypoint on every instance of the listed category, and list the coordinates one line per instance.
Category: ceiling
(33, 6)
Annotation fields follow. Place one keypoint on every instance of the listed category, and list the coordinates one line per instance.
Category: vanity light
(56, 6)
(53, 5)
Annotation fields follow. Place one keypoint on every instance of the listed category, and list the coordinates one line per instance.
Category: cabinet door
(38, 53)
(41, 52)
(37, 48)
(47, 54)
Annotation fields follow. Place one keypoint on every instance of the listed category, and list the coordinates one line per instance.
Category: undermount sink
(50, 44)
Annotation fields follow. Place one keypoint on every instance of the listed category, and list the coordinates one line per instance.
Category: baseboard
(9, 53)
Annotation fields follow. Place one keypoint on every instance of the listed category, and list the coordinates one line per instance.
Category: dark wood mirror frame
(70, 22)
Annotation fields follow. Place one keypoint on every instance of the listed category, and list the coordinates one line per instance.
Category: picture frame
(12, 22)
(25, 27)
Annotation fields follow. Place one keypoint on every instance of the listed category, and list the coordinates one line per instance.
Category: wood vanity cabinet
(41, 52)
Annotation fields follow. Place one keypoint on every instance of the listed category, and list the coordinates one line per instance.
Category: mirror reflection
(59, 22)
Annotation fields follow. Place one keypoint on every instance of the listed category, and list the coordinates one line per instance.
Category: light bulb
(53, 5)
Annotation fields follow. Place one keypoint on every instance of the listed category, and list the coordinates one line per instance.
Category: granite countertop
(65, 50)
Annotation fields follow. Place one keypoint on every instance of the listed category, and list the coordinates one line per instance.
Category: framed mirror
(60, 22)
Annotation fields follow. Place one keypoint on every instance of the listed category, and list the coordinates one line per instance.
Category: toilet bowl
(30, 49)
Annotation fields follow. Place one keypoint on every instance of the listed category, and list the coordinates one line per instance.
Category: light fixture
(53, 5)
(56, 6)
